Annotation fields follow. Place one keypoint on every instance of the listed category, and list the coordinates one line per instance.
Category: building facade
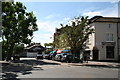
(33, 50)
(104, 44)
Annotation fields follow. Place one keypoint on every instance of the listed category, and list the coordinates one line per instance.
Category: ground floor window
(110, 51)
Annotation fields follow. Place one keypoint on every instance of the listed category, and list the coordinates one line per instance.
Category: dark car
(67, 57)
(52, 55)
(39, 56)
(64, 57)
(58, 57)
(16, 57)
(45, 56)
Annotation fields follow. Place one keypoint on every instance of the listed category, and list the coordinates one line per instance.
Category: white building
(33, 50)
(106, 39)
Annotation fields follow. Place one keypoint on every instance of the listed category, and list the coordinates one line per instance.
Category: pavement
(89, 63)
(97, 64)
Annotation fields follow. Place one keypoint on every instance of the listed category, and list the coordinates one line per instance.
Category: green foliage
(48, 44)
(77, 34)
(48, 51)
(18, 48)
(63, 41)
(18, 26)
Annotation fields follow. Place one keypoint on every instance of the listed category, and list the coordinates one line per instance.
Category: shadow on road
(23, 67)
(37, 62)
(10, 76)
(11, 70)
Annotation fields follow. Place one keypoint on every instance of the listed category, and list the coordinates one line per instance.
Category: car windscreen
(66, 54)
(39, 54)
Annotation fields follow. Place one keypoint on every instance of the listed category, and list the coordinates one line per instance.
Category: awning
(65, 51)
(59, 51)
(52, 51)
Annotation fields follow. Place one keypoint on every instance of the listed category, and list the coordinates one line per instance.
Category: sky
(51, 14)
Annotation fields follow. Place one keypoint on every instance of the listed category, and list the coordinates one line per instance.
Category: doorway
(95, 55)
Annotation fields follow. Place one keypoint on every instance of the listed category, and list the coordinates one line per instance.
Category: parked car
(67, 57)
(64, 57)
(45, 56)
(58, 57)
(52, 55)
(77, 59)
(16, 57)
(39, 56)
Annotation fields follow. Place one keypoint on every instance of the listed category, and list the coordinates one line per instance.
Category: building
(56, 38)
(104, 44)
(60, 39)
(34, 49)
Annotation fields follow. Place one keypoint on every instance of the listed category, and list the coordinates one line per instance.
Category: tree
(18, 49)
(78, 34)
(63, 40)
(18, 26)
(50, 45)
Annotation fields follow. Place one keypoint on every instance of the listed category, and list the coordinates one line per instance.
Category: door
(95, 55)
(109, 51)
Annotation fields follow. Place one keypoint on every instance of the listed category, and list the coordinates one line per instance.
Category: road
(54, 69)
(68, 71)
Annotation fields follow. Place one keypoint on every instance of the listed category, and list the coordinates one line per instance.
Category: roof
(105, 19)
(33, 46)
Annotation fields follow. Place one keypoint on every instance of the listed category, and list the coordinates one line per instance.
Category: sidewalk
(90, 63)
(97, 64)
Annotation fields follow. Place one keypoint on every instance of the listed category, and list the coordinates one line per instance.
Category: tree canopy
(17, 26)
(76, 34)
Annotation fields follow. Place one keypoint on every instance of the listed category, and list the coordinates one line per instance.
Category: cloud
(46, 30)
(66, 19)
(42, 38)
(114, 1)
(49, 16)
(46, 26)
(109, 12)
(66, 0)
(90, 13)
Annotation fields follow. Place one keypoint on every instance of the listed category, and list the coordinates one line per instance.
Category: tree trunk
(9, 54)
(9, 57)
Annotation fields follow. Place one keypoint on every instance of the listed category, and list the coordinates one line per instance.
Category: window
(109, 26)
(89, 41)
(110, 51)
(109, 37)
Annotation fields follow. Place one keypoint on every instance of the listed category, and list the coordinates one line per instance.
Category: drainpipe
(0, 20)
(118, 42)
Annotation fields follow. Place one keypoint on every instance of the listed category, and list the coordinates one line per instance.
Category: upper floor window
(109, 37)
(109, 26)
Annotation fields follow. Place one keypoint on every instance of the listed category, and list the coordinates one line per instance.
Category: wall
(101, 28)
(91, 42)
(32, 54)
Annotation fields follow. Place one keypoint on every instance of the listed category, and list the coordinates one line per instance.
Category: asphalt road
(53, 69)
